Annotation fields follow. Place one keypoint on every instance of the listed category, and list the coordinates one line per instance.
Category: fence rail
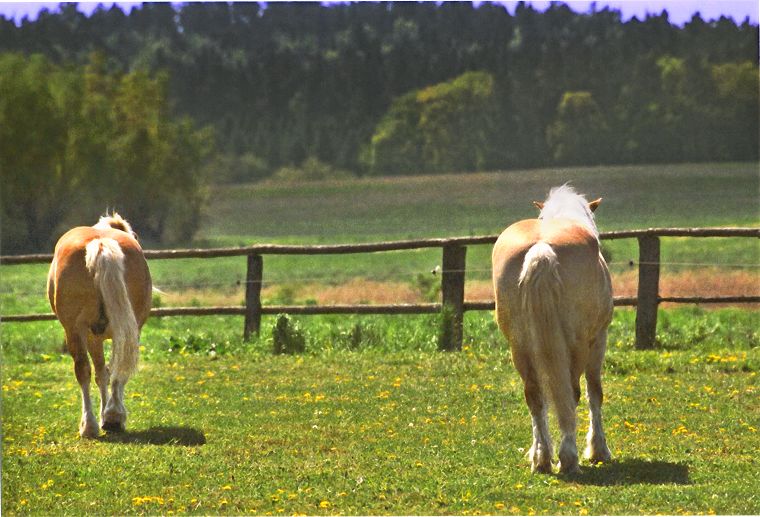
(452, 304)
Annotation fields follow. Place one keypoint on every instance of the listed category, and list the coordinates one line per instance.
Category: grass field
(369, 210)
(371, 419)
(383, 426)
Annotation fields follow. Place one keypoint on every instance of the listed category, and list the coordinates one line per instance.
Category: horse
(99, 287)
(554, 305)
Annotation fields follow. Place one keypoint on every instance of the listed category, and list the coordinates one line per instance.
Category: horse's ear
(538, 204)
(593, 205)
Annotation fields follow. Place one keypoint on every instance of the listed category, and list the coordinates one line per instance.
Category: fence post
(452, 294)
(648, 293)
(253, 280)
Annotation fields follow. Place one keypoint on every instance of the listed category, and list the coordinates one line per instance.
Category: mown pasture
(375, 209)
(372, 419)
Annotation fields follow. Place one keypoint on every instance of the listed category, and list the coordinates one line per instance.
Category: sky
(680, 11)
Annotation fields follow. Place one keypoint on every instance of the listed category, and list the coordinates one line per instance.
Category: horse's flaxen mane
(565, 203)
(114, 220)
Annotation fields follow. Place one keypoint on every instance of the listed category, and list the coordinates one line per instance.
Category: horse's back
(584, 275)
(568, 239)
(71, 289)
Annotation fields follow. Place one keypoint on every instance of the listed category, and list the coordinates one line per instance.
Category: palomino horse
(554, 304)
(99, 287)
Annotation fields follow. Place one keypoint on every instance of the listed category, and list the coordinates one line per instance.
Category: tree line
(373, 88)
(76, 141)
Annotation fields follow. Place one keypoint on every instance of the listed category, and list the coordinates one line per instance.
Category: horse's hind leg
(566, 394)
(102, 375)
(541, 451)
(115, 417)
(76, 341)
(596, 444)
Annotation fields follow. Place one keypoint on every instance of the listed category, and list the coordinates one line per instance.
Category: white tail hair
(105, 261)
(540, 288)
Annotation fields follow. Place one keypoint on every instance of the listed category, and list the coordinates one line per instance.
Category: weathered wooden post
(649, 291)
(452, 294)
(253, 279)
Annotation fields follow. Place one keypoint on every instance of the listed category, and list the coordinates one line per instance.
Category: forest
(237, 92)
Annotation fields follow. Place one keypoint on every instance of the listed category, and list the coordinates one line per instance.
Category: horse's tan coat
(79, 307)
(551, 360)
(71, 291)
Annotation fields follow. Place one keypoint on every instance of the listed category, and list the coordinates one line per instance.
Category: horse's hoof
(89, 433)
(571, 469)
(113, 427)
(88, 428)
(543, 468)
(598, 455)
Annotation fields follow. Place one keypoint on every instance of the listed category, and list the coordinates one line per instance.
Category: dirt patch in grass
(712, 282)
(359, 290)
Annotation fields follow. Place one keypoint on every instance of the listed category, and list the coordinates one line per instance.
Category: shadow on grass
(184, 436)
(633, 472)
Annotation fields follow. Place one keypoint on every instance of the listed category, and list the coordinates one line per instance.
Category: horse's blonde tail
(105, 261)
(540, 288)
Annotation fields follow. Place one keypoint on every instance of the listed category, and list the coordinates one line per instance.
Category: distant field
(367, 210)
(484, 203)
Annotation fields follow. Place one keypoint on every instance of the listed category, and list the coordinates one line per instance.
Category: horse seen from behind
(99, 287)
(554, 304)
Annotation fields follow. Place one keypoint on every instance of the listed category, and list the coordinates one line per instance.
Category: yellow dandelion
(499, 506)
(226, 487)
(324, 504)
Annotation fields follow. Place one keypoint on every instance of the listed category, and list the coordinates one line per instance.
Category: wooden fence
(452, 305)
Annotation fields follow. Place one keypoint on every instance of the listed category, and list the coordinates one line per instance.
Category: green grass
(484, 203)
(372, 419)
(386, 427)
